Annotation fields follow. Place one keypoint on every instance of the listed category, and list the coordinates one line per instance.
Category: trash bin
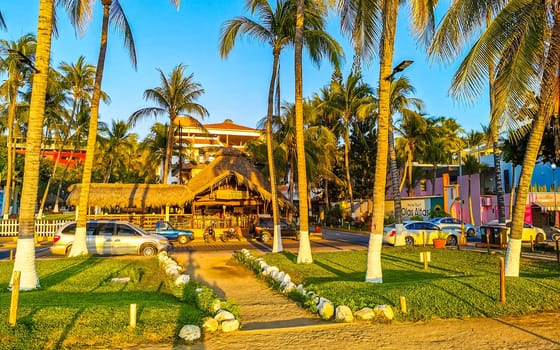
(494, 235)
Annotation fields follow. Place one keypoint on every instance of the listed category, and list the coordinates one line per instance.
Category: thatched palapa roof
(132, 195)
(230, 162)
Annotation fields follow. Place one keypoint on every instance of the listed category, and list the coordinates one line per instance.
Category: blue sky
(236, 87)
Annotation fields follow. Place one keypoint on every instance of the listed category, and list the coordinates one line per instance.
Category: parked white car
(418, 233)
(109, 237)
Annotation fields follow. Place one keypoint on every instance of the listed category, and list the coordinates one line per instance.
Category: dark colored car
(264, 228)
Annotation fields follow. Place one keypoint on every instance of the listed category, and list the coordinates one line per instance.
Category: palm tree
(469, 15)
(175, 97)
(111, 10)
(523, 43)
(115, 142)
(17, 72)
(276, 27)
(372, 26)
(154, 147)
(413, 130)
(401, 104)
(25, 257)
(342, 104)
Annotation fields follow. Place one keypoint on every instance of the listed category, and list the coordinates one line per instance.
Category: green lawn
(458, 284)
(78, 306)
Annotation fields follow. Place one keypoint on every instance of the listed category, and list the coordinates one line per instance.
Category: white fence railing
(43, 228)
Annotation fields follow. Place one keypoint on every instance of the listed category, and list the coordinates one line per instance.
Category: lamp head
(553, 166)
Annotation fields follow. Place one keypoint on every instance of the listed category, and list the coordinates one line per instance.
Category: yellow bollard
(403, 305)
(132, 315)
(502, 281)
(11, 254)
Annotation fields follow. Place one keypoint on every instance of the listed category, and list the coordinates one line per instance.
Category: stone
(365, 314)
(216, 305)
(286, 278)
(181, 280)
(172, 271)
(190, 333)
(120, 279)
(326, 309)
(384, 311)
(224, 315)
(343, 314)
(210, 325)
(230, 325)
(287, 287)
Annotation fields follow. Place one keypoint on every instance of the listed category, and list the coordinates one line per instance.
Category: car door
(103, 238)
(125, 241)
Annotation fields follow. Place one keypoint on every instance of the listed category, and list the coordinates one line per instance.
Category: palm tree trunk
(10, 160)
(395, 184)
(513, 253)
(374, 273)
(46, 192)
(277, 241)
(304, 253)
(80, 247)
(347, 163)
(168, 150)
(25, 251)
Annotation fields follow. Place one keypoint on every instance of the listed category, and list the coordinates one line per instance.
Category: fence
(45, 229)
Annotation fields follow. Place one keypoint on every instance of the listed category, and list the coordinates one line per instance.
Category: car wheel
(471, 233)
(148, 250)
(540, 238)
(452, 240)
(68, 249)
(183, 239)
(265, 237)
(409, 241)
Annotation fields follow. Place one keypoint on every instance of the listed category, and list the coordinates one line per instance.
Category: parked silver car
(109, 237)
(453, 224)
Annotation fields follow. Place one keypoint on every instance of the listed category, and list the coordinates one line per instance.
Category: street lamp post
(553, 167)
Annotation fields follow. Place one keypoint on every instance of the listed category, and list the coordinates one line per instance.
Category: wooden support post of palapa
(15, 298)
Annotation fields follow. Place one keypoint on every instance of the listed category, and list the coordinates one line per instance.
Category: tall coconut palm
(471, 166)
(401, 104)
(276, 27)
(372, 26)
(523, 42)
(343, 104)
(470, 16)
(25, 256)
(111, 11)
(176, 96)
(17, 73)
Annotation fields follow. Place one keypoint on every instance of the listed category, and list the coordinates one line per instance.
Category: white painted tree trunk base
(25, 263)
(304, 253)
(79, 246)
(374, 274)
(277, 240)
(513, 257)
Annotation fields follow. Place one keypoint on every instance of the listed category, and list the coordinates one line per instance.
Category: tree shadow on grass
(63, 274)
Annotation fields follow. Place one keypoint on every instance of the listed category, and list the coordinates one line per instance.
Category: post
(557, 253)
(532, 243)
(425, 253)
(15, 298)
(132, 321)
(488, 241)
(553, 166)
(11, 254)
(403, 305)
(502, 281)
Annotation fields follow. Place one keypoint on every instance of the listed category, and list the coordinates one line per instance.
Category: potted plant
(440, 240)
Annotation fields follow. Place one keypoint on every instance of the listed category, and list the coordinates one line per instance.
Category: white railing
(43, 228)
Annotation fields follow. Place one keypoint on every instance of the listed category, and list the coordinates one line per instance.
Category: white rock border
(223, 320)
(325, 308)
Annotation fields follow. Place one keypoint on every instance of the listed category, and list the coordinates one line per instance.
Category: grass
(458, 284)
(78, 306)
